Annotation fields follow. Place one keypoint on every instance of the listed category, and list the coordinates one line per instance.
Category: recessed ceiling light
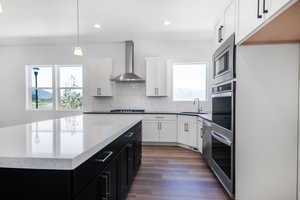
(167, 23)
(97, 26)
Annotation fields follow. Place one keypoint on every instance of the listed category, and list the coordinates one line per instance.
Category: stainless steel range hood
(129, 75)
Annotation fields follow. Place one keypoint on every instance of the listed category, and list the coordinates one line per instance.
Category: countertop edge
(37, 163)
(154, 113)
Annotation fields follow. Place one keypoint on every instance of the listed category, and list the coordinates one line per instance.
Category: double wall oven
(222, 139)
(222, 134)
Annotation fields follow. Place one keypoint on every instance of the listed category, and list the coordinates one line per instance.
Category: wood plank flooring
(174, 173)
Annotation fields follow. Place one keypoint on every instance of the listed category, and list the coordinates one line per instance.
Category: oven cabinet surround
(106, 175)
(187, 130)
(226, 24)
(160, 128)
(156, 80)
(253, 15)
(99, 83)
(266, 122)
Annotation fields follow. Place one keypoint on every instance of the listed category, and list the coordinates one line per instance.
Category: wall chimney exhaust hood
(129, 75)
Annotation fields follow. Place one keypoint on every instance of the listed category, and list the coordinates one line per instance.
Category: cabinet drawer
(87, 171)
(90, 169)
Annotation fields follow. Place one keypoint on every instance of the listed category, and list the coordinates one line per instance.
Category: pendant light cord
(77, 23)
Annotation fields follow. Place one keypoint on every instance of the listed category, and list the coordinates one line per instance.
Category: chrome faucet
(199, 106)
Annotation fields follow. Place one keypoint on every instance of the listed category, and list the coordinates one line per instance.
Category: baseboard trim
(170, 144)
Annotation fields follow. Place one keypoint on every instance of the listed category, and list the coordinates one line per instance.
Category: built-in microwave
(224, 61)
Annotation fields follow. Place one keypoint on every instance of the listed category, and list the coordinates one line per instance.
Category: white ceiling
(120, 19)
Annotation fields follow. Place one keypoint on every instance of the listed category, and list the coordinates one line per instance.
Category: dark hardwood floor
(174, 173)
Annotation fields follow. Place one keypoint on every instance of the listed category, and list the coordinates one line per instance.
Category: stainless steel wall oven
(222, 147)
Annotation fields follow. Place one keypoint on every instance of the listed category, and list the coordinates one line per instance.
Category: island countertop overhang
(60, 144)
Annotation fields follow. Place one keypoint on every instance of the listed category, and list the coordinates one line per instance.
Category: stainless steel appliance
(222, 135)
(222, 157)
(224, 61)
(129, 75)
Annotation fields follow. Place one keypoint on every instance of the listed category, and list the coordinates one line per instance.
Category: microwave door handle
(221, 138)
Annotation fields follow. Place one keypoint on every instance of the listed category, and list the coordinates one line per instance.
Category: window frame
(55, 87)
(189, 62)
(58, 88)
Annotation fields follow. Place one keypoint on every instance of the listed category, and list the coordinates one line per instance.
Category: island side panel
(25, 184)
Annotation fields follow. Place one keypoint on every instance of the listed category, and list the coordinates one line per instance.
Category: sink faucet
(199, 106)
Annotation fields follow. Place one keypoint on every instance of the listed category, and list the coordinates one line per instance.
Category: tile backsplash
(133, 96)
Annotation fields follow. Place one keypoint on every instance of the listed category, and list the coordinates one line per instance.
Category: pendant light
(1, 7)
(77, 49)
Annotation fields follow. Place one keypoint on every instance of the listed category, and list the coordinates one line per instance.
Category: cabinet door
(167, 131)
(99, 75)
(108, 182)
(250, 16)
(229, 20)
(191, 134)
(156, 77)
(122, 186)
(181, 133)
(271, 7)
(150, 131)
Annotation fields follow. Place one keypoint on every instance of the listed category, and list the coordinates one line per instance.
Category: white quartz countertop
(63, 143)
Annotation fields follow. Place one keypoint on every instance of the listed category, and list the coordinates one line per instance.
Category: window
(57, 87)
(189, 81)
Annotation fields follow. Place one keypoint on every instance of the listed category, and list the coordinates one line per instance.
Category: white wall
(267, 122)
(14, 58)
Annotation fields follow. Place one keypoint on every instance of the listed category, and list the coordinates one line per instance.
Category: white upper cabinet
(226, 24)
(250, 16)
(99, 83)
(229, 20)
(272, 6)
(156, 83)
(253, 13)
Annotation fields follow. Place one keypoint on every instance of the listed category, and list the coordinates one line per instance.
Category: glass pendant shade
(78, 51)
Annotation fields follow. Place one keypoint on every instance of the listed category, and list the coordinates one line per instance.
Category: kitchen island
(85, 157)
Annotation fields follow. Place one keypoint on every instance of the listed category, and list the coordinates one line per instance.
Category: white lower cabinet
(160, 129)
(187, 130)
(150, 131)
(168, 131)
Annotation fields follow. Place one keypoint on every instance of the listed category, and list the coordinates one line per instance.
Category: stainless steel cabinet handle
(221, 138)
(109, 153)
(160, 125)
(129, 135)
(99, 92)
(186, 127)
(107, 176)
(265, 10)
(259, 16)
(156, 91)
